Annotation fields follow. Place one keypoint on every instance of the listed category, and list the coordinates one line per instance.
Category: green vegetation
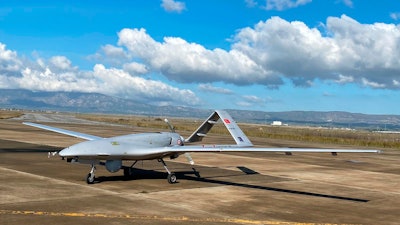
(356, 138)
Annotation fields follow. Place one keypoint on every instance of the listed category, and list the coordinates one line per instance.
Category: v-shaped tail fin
(237, 134)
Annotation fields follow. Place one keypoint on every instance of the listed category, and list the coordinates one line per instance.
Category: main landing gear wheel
(171, 178)
(90, 178)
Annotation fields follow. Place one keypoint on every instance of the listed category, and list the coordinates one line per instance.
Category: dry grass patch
(4, 114)
(357, 138)
(326, 136)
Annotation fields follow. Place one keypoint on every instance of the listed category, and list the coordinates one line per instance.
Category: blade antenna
(169, 125)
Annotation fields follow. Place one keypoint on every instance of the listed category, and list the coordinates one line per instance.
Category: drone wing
(243, 144)
(63, 131)
(235, 148)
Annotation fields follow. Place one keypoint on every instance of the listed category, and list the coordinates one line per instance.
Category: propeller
(169, 125)
(187, 155)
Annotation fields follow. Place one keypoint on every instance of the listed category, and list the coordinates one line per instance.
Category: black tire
(90, 179)
(171, 178)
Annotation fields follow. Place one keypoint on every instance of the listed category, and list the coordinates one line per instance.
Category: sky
(270, 55)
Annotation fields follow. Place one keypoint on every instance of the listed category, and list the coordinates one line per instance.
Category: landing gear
(171, 176)
(90, 177)
(128, 172)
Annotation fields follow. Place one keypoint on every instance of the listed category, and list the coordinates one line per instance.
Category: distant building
(276, 123)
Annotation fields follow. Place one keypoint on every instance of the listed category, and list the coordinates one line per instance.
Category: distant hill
(88, 103)
(325, 119)
(99, 103)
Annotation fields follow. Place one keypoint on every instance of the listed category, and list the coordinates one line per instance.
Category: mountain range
(99, 103)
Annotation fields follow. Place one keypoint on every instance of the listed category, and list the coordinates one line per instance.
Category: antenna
(169, 125)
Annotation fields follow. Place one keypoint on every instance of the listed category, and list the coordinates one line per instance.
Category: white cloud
(288, 48)
(190, 62)
(268, 53)
(251, 3)
(276, 49)
(58, 74)
(284, 4)
(114, 52)
(110, 54)
(117, 82)
(61, 62)
(348, 3)
(395, 15)
(298, 52)
(211, 88)
(9, 61)
(135, 68)
(244, 104)
(253, 99)
(344, 79)
(372, 84)
(6, 55)
(173, 6)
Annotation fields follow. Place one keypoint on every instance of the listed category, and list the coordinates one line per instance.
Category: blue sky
(271, 55)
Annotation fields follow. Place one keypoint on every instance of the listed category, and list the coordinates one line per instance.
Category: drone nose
(62, 152)
(65, 152)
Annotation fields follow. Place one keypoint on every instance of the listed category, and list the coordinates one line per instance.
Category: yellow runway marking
(156, 218)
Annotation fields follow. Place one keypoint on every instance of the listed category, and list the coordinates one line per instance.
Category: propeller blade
(169, 125)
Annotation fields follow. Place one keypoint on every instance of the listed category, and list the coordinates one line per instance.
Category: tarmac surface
(241, 188)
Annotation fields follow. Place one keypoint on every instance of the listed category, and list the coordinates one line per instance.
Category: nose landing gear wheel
(90, 177)
(171, 178)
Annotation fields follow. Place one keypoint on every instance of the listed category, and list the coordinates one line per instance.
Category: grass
(356, 138)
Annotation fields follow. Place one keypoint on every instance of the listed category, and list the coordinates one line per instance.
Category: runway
(242, 188)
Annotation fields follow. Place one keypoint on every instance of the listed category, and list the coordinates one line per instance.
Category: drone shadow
(194, 175)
